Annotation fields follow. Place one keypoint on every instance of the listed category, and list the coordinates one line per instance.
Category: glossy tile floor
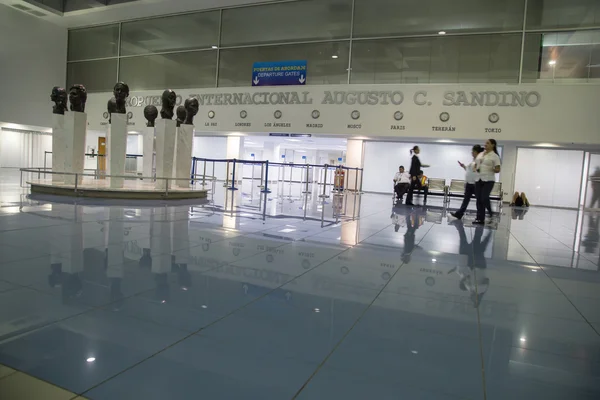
(351, 299)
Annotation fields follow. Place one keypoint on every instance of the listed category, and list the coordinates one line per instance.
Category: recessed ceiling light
(433, 260)
(204, 306)
(215, 47)
(334, 56)
(317, 310)
(552, 62)
(441, 32)
(523, 339)
(414, 352)
(91, 359)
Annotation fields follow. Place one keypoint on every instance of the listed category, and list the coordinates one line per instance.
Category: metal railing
(78, 185)
(327, 176)
(128, 167)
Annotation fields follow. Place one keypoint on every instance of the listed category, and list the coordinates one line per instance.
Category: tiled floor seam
(16, 371)
(560, 290)
(324, 361)
(225, 316)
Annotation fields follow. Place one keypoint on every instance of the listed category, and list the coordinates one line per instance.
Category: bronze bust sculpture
(77, 98)
(191, 107)
(181, 115)
(59, 97)
(150, 113)
(168, 104)
(116, 105)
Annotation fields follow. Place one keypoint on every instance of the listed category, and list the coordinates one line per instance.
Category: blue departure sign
(279, 73)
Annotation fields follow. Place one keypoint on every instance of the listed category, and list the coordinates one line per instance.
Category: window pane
(532, 57)
(88, 43)
(393, 17)
(180, 32)
(563, 56)
(543, 14)
(96, 76)
(184, 70)
(480, 58)
(235, 67)
(391, 61)
(286, 22)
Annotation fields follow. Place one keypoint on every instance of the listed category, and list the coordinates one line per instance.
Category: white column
(117, 148)
(58, 147)
(271, 152)
(508, 170)
(354, 159)
(148, 151)
(183, 161)
(235, 148)
(75, 132)
(165, 150)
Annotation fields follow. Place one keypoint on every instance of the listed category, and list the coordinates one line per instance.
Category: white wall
(24, 149)
(33, 59)
(382, 159)
(549, 177)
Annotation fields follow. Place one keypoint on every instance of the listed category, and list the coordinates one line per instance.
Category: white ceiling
(133, 10)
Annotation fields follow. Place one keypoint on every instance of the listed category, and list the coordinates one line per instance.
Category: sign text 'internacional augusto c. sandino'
(352, 97)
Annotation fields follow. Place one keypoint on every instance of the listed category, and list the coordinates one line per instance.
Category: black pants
(482, 193)
(469, 192)
(416, 184)
(401, 189)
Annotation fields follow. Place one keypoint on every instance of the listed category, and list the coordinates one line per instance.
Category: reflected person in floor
(414, 219)
(518, 213)
(473, 277)
(592, 237)
(595, 185)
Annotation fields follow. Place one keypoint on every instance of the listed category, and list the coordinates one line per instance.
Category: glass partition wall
(347, 41)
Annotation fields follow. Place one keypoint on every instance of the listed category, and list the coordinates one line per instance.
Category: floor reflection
(299, 297)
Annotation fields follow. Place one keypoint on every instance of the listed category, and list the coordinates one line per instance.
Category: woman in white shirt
(487, 165)
(471, 177)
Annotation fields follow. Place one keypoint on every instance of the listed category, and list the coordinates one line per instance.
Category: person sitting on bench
(401, 183)
(422, 184)
(519, 200)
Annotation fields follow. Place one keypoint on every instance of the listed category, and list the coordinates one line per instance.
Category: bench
(437, 187)
(457, 189)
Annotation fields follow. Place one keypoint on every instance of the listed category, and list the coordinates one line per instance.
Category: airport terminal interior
(244, 199)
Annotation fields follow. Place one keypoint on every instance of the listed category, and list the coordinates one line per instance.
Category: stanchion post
(204, 175)
(45, 154)
(76, 182)
(306, 189)
(262, 171)
(361, 179)
(290, 181)
(266, 188)
(193, 170)
(324, 196)
(233, 176)
(227, 175)
(356, 182)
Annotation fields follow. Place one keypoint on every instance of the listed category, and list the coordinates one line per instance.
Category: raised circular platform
(132, 189)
